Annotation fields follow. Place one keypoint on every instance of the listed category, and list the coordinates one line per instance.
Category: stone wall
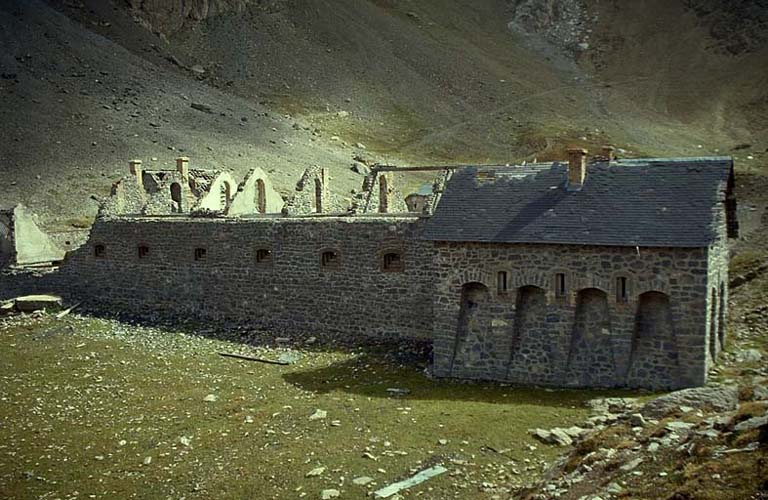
(256, 195)
(314, 196)
(717, 284)
(267, 272)
(588, 336)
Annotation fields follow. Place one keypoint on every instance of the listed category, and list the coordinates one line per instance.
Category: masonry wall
(717, 284)
(288, 291)
(589, 337)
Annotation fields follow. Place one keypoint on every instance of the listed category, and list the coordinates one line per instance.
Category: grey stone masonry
(284, 273)
(561, 316)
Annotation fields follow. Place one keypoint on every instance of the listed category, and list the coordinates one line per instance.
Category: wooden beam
(393, 168)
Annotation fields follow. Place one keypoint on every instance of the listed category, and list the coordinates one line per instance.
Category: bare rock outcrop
(169, 16)
(719, 398)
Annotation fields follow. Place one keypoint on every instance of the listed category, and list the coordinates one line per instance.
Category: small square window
(560, 285)
(263, 255)
(330, 259)
(501, 282)
(143, 251)
(622, 294)
(200, 253)
(99, 251)
(393, 261)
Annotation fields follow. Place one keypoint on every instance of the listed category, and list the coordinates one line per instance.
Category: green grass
(85, 401)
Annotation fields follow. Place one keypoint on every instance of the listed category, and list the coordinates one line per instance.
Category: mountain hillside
(87, 85)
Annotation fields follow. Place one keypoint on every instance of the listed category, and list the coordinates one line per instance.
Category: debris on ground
(414, 480)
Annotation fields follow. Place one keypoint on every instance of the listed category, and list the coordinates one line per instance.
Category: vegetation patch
(97, 407)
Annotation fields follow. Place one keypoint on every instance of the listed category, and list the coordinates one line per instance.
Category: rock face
(169, 16)
(723, 398)
(562, 23)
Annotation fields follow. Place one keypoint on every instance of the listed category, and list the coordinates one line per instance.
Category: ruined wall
(383, 195)
(220, 195)
(33, 245)
(313, 195)
(587, 336)
(256, 195)
(284, 287)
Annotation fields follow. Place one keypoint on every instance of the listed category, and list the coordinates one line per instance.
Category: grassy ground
(94, 408)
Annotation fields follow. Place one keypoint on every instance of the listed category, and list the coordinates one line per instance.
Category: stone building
(605, 273)
(585, 274)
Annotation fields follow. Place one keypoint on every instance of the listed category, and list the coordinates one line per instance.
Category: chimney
(182, 166)
(138, 172)
(607, 153)
(577, 167)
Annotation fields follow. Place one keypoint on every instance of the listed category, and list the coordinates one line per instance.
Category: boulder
(678, 426)
(752, 423)
(637, 420)
(749, 356)
(360, 168)
(611, 405)
(719, 398)
(555, 436)
(32, 303)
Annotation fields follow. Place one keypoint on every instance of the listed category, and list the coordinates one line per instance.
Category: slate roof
(669, 202)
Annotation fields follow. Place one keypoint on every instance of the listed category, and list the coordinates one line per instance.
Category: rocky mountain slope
(88, 84)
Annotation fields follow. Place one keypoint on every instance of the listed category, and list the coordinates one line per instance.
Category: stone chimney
(182, 166)
(607, 153)
(138, 172)
(577, 167)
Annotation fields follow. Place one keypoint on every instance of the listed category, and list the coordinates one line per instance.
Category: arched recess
(713, 329)
(473, 326)
(653, 358)
(261, 197)
(591, 361)
(531, 357)
(176, 197)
